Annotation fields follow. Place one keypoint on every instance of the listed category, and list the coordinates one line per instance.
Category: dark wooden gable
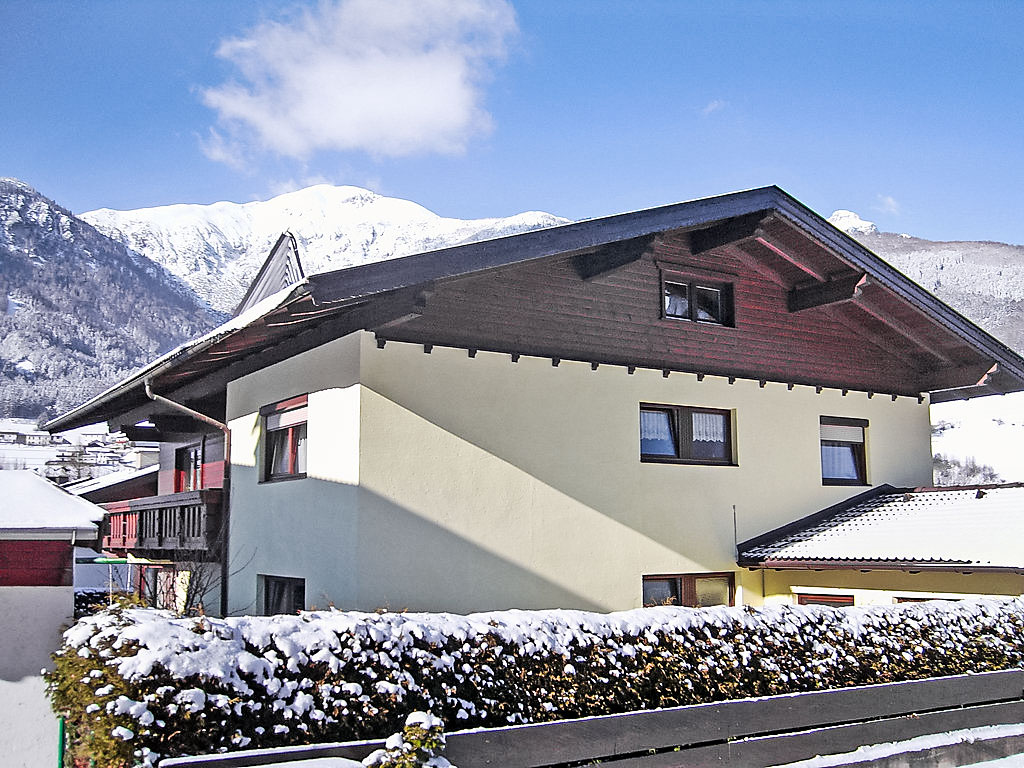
(614, 316)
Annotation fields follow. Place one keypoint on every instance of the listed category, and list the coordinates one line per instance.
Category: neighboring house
(587, 416)
(40, 526)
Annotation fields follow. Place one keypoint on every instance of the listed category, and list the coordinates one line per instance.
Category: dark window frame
(686, 586)
(834, 601)
(693, 284)
(292, 434)
(293, 592)
(682, 432)
(858, 449)
(188, 468)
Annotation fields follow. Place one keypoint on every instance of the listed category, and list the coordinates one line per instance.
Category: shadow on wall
(360, 551)
(33, 620)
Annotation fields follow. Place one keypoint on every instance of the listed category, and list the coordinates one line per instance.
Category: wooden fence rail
(745, 732)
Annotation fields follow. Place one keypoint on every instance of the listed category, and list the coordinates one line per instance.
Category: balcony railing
(177, 521)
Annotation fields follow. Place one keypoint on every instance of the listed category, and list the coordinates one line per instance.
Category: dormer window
(699, 301)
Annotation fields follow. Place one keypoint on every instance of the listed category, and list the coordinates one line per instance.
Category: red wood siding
(35, 564)
(546, 309)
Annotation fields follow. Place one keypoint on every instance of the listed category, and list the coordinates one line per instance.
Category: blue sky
(909, 113)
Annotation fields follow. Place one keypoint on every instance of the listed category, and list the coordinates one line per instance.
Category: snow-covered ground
(919, 744)
(988, 429)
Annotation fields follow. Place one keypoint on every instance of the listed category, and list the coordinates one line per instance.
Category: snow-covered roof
(83, 487)
(35, 507)
(956, 528)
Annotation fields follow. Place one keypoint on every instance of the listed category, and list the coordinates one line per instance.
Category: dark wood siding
(35, 564)
(547, 309)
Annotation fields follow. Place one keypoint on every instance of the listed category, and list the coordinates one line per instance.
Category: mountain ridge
(217, 249)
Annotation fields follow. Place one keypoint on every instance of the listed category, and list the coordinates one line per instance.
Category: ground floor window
(696, 590)
(835, 601)
(283, 594)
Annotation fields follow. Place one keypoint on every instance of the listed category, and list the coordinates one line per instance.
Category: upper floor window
(697, 300)
(843, 459)
(683, 434)
(284, 439)
(188, 468)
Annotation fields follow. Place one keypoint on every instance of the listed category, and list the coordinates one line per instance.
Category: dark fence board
(542, 744)
(780, 749)
(755, 732)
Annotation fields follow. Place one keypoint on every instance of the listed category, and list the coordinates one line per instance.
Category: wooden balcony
(188, 521)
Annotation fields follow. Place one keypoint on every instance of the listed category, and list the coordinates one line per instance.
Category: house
(40, 526)
(587, 416)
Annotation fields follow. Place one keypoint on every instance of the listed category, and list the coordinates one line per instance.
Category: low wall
(754, 733)
(31, 621)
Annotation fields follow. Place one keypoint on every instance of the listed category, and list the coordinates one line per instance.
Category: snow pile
(196, 686)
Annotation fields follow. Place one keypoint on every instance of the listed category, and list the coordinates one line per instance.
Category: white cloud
(887, 204)
(386, 77)
(712, 106)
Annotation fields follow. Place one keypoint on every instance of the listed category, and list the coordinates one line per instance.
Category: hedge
(138, 684)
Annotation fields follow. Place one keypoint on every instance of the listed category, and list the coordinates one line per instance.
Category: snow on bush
(171, 686)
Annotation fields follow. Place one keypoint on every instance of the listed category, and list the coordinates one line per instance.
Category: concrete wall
(438, 481)
(303, 528)
(31, 621)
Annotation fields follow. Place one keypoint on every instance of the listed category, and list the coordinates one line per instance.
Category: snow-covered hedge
(138, 684)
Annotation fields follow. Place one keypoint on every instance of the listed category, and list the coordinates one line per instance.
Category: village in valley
(674, 475)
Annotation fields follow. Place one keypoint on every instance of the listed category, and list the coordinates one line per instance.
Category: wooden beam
(871, 307)
(762, 237)
(611, 256)
(833, 291)
(726, 233)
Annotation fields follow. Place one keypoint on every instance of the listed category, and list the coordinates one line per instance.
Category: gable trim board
(382, 296)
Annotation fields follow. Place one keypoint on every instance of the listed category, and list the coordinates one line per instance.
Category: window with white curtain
(684, 434)
(843, 457)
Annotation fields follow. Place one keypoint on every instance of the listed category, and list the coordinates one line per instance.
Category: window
(681, 434)
(188, 468)
(697, 300)
(282, 594)
(284, 456)
(842, 451)
(696, 590)
(835, 601)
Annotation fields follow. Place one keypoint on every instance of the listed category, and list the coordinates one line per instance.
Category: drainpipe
(225, 515)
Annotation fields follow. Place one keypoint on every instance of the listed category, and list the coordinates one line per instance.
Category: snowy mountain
(217, 249)
(984, 281)
(77, 310)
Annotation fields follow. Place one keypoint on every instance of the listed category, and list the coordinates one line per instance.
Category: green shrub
(138, 684)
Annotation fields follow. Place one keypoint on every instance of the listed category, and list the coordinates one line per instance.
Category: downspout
(225, 515)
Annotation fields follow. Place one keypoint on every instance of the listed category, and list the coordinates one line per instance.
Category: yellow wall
(884, 587)
(440, 481)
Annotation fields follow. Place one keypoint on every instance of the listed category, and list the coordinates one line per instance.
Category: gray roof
(331, 304)
(956, 528)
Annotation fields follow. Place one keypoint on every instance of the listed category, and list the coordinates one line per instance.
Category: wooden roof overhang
(818, 267)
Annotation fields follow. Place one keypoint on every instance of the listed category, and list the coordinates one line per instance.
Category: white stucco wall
(31, 621)
(437, 481)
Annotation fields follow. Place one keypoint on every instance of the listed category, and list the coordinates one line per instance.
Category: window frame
(682, 427)
(188, 468)
(693, 282)
(859, 450)
(292, 435)
(686, 586)
(832, 601)
(289, 583)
